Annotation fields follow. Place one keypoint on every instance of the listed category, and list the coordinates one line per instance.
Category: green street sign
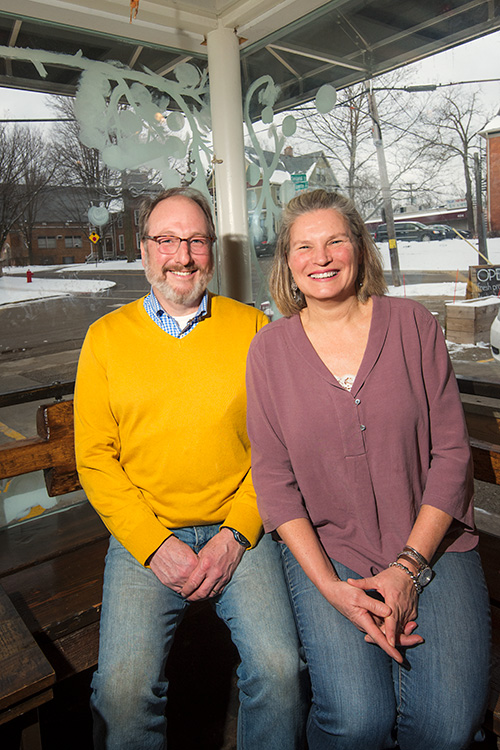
(300, 181)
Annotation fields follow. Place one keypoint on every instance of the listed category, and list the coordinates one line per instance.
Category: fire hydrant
(29, 276)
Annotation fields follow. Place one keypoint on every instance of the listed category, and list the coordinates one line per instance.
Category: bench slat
(49, 536)
(62, 595)
(76, 652)
(486, 461)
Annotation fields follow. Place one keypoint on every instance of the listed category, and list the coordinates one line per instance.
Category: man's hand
(173, 563)
(217, 562)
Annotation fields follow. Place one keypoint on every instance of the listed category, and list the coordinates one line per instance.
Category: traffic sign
(300, 181)
(94, 237)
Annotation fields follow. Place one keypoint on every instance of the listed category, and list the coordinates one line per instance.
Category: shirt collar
(159, 311)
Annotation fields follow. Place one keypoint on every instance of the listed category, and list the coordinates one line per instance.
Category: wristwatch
(239, 537)
(424, 572)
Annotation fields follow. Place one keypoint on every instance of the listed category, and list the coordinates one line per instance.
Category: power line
(42, 119)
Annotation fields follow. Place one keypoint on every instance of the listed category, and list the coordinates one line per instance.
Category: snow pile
(441, 255)
(15, 289)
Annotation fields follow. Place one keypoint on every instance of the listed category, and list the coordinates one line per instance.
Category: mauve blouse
(360, 464)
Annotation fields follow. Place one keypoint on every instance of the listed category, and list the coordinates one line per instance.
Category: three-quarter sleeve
(449, 482)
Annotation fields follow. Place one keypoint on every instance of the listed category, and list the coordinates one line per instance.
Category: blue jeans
(138, 623)
(364, 699)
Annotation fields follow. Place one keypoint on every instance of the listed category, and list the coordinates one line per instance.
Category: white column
(230, 181)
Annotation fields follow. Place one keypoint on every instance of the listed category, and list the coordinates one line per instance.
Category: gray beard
(159, 281)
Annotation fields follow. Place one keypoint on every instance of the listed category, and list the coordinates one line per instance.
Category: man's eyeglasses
(168, 245)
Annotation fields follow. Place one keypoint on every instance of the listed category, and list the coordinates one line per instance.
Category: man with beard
(164, 457)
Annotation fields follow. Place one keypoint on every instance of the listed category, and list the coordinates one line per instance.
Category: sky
(443, 255)
(477, 60)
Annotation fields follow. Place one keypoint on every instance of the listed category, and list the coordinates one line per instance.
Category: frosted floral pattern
(138, 118)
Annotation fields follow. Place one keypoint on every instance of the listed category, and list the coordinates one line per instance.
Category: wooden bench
(51, 569)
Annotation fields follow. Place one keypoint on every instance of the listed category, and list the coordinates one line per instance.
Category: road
(61, 323)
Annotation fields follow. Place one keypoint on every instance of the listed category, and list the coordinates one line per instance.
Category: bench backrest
(53, 450)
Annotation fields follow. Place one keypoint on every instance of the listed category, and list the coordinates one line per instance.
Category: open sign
(483, 281)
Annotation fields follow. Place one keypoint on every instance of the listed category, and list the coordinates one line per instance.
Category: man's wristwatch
(239, 537)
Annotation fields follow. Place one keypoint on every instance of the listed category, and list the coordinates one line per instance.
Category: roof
(301, 44)
(492, 128)
(289, 164)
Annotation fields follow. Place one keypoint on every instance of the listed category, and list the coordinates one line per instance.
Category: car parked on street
(410, 230)
(450, 232)
(264, 247)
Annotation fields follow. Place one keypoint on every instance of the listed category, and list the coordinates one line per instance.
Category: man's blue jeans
(138, 622)
(363, 700)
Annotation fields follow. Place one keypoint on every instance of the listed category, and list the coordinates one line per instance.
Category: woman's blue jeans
(138, 623)
(363, 700)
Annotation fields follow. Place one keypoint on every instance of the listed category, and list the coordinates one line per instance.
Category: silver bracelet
(420, 559)
(418, 587)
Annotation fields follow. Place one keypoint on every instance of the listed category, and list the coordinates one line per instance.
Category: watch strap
(239, 537)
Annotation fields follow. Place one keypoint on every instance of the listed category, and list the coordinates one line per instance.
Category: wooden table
(26, 677)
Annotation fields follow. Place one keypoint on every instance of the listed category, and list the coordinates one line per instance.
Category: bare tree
(36, 175)
(78, 165)
(346, 136)
(80, 169)
(451, 130)
(15, 158)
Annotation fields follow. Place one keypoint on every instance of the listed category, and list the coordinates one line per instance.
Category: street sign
(94, 237)
(300, 182)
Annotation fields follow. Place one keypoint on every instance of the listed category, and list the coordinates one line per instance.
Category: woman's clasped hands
(389, 623)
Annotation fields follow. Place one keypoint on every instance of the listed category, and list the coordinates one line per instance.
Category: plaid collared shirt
(169, 324)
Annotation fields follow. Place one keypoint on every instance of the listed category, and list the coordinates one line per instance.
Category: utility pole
(384, 184)
(481, 234)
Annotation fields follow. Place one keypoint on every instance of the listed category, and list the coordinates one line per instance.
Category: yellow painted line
(37, 510)
(481, 361)
(9, 432)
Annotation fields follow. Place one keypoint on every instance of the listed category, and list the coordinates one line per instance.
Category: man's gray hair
(149, 203)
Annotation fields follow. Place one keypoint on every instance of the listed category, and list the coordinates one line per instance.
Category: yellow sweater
(160, 424)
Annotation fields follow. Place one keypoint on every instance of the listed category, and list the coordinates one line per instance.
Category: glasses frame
(188, 240)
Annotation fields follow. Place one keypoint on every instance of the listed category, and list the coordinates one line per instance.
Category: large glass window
(130, 131)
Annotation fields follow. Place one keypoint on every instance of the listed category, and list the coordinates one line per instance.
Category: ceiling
(302, 44)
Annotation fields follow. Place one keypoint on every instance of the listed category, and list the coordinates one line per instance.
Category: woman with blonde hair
(361, 462)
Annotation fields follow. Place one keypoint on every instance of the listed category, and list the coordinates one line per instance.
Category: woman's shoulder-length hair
(370, 279)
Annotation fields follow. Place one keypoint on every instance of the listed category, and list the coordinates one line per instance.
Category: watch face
(424, 576)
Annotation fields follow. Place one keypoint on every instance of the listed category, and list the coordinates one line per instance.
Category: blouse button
(362, 427)
(357, 401)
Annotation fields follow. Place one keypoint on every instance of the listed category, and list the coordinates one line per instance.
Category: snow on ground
(445, 255)
(441, 289)
(15, 289)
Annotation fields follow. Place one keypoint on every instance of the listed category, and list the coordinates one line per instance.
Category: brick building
(58, 232)
(492, 135)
